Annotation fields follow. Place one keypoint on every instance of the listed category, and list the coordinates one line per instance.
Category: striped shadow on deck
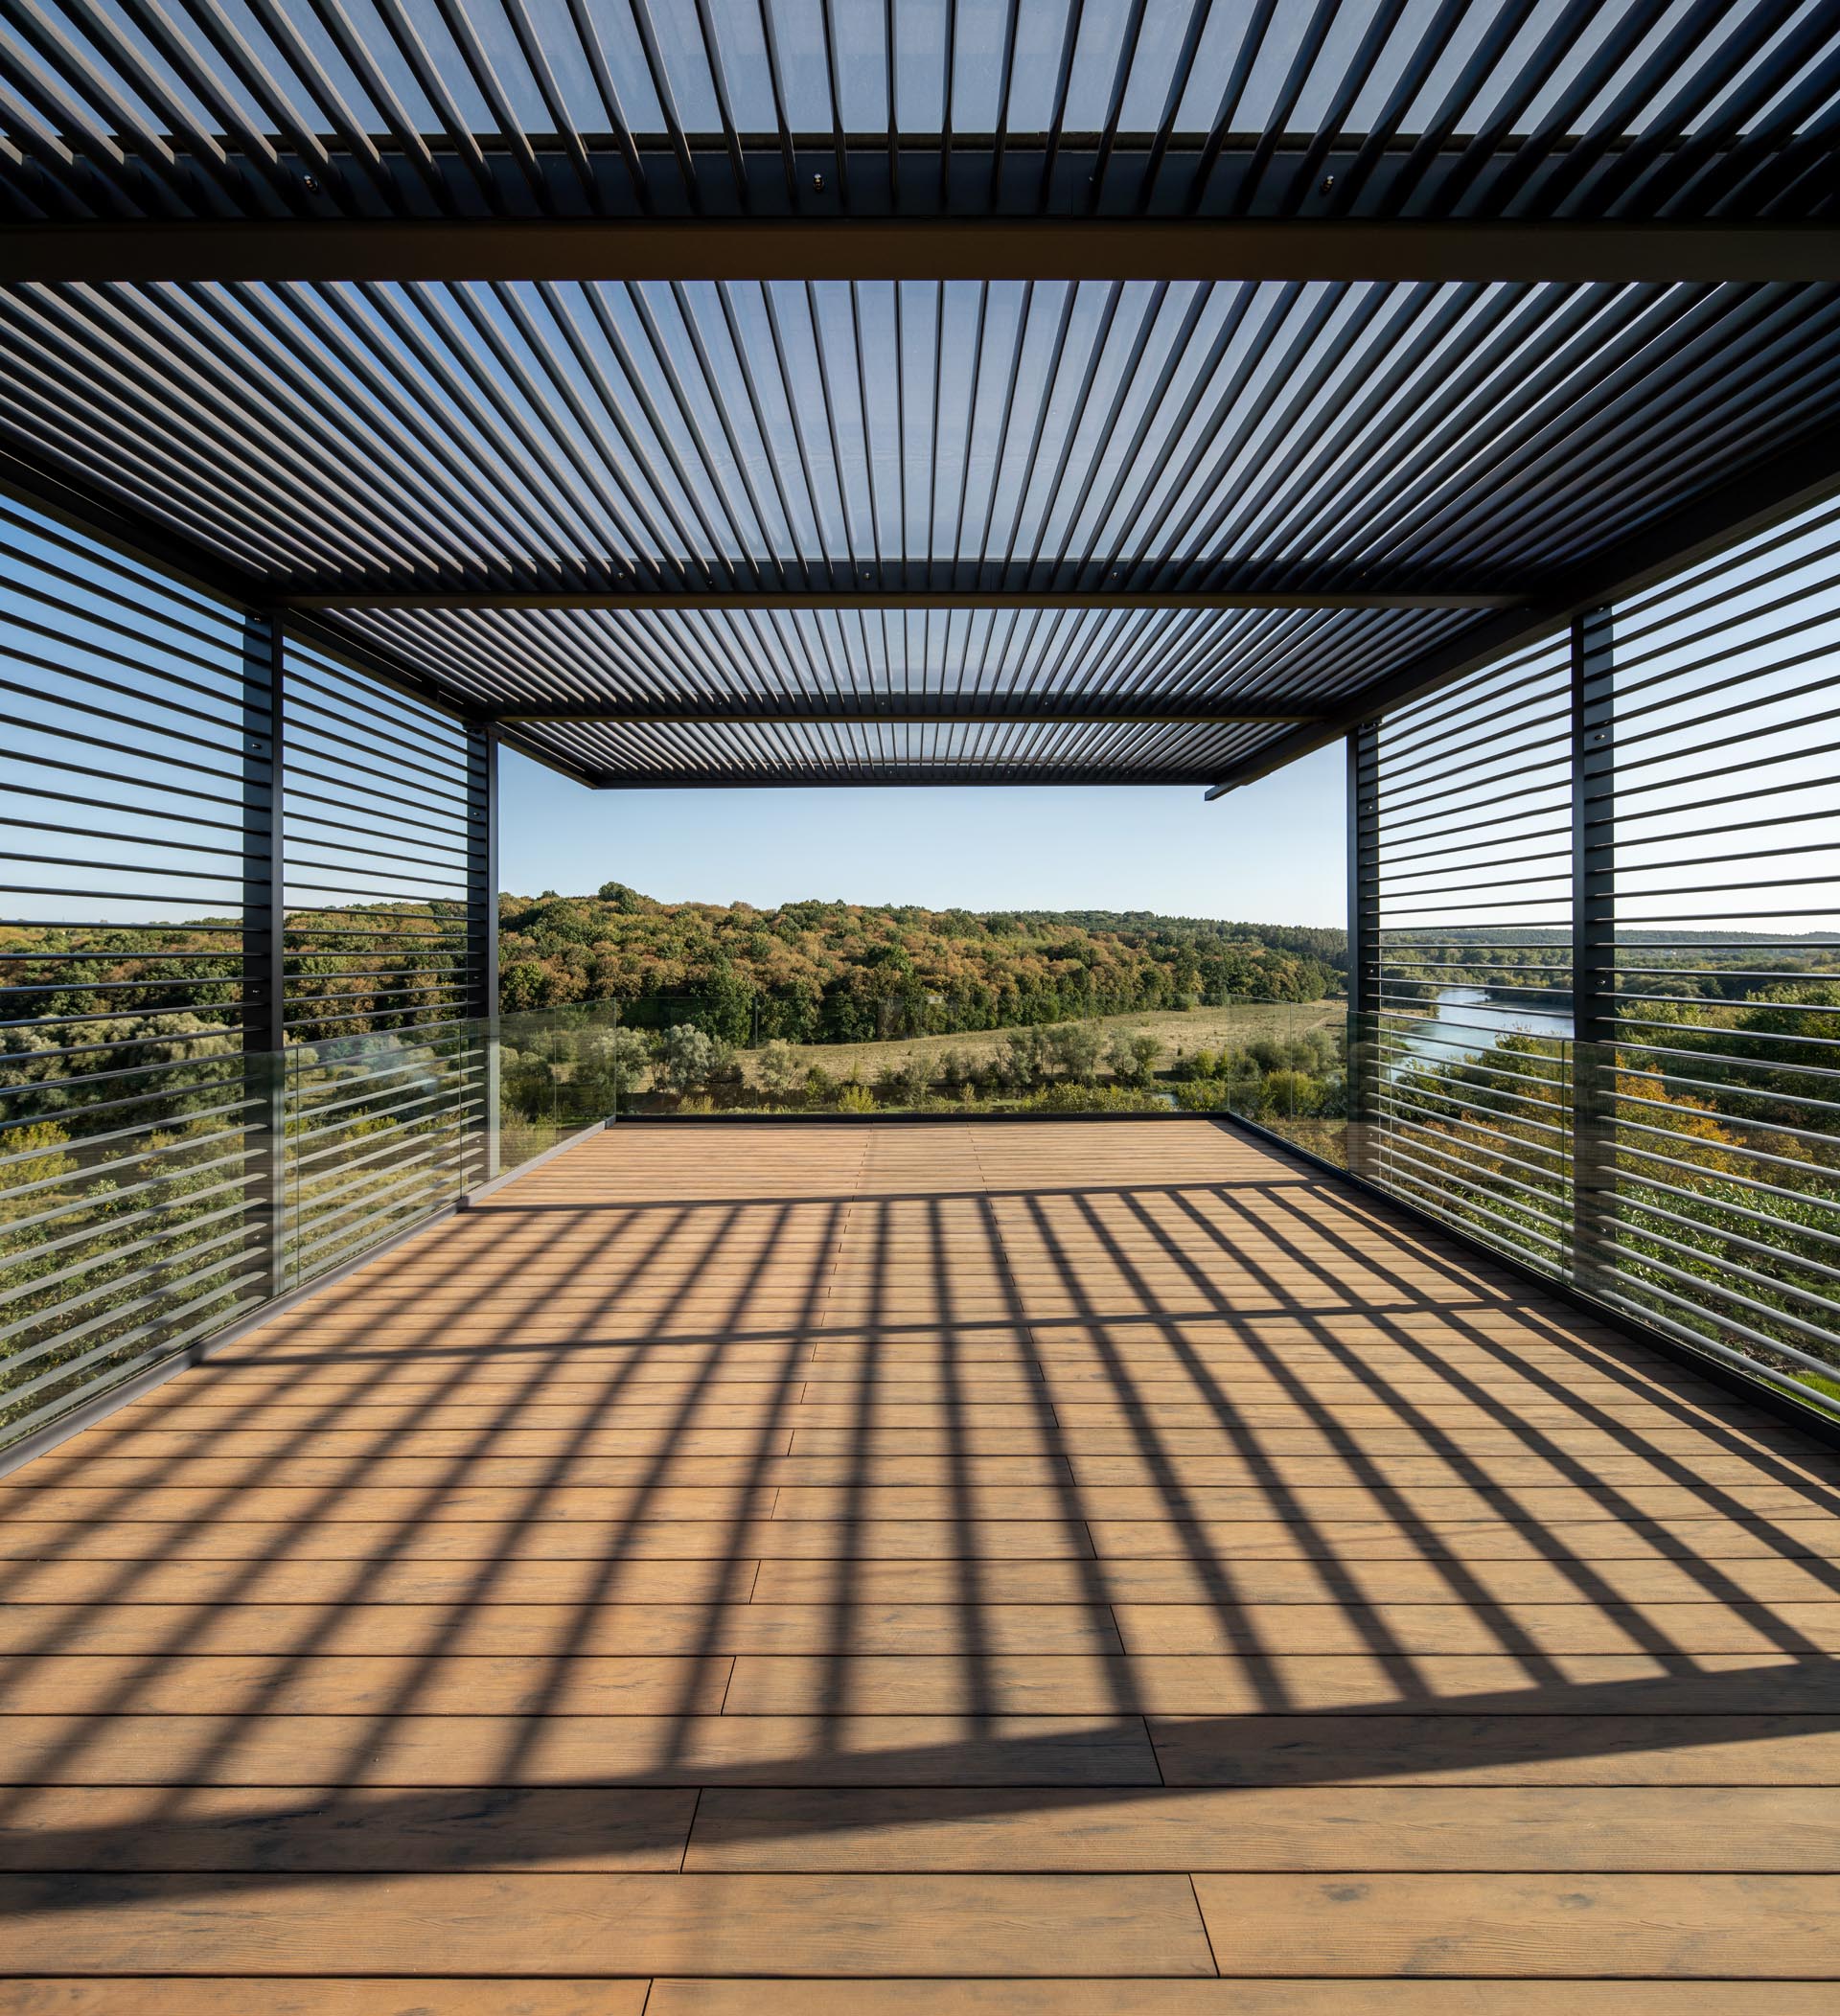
(921, 1570)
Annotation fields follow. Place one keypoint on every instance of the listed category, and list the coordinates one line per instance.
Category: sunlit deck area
(941, 1568)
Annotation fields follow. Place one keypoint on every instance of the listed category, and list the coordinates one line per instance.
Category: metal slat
(1706, 1157)
(1428, 333)
(196, 1157)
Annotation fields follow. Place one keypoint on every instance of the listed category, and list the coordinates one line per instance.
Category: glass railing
(158, 1200)
(688, 1055)
(1688, 1184)
(1706, 1186)
(559, 1071)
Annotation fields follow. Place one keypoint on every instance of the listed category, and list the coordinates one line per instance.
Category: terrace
(1376, 1558)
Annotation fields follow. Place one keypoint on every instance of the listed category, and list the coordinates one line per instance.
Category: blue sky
(1274, 852)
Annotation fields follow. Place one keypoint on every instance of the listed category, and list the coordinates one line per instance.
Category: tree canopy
(852, 972)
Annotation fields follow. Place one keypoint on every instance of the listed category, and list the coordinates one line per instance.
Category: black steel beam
(1749, 503)
(898, 248)
(263, 987)
(359, 596)
(969, 709)
(482, 927)
(716, 777)
(1594, 947)
(1364, 937)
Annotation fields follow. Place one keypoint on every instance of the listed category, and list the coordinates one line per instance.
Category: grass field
(1198, 1030)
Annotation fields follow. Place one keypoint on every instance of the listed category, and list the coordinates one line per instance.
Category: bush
(1133, 1056)
(1075, 1048)
(780, 1072)
(906, 1083)
(1289, 1094)
(856, 1099)
(1023, 1060)
(685, 1058)
(623, 1054)
(1072, 1097)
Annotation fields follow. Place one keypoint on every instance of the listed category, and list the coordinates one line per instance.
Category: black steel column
(1593, 944)
(482, 932)
(1364, 941)
(263, 992)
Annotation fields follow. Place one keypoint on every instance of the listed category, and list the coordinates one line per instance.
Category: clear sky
(1274, 852)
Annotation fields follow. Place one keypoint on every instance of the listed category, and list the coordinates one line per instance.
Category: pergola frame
(1142, 401)
(768, 248)
(712, 408)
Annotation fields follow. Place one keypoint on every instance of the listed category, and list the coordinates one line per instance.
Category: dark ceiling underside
(877, 529)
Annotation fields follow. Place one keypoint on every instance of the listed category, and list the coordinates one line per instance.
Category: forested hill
(1326, 943)
(849, 972)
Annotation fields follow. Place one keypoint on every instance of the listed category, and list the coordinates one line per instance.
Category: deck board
(924, 1571)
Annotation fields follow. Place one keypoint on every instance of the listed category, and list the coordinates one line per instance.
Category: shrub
(1075, 1047)
(856, 1098)
(1133, 1056)
(1290, 1094)
(906, 1083)
(624, 1055)
(1072, 1097)
(1023, 1060)
(780, 1070)
(686, 1058)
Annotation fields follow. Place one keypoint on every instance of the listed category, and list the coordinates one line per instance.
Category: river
(1468, 1021)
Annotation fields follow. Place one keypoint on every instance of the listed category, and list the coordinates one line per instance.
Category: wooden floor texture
(916, 1570)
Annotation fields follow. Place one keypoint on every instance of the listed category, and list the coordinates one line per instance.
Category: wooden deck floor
(914, 1572)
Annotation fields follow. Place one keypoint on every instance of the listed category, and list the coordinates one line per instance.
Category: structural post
(263, 917)
(482, 927)
(1593, 945)
(1363, 942)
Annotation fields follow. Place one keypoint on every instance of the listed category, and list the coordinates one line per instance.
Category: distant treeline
(855, 972)
(1519, 971)
(1327, 944)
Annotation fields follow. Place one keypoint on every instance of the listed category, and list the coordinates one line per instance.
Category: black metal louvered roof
(761, 391)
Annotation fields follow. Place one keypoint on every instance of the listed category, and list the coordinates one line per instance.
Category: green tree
(907, 1083)
(1075, 1048)
(780, 1068)
(1133, 1056)
(687, 1058)
(623, 1055)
